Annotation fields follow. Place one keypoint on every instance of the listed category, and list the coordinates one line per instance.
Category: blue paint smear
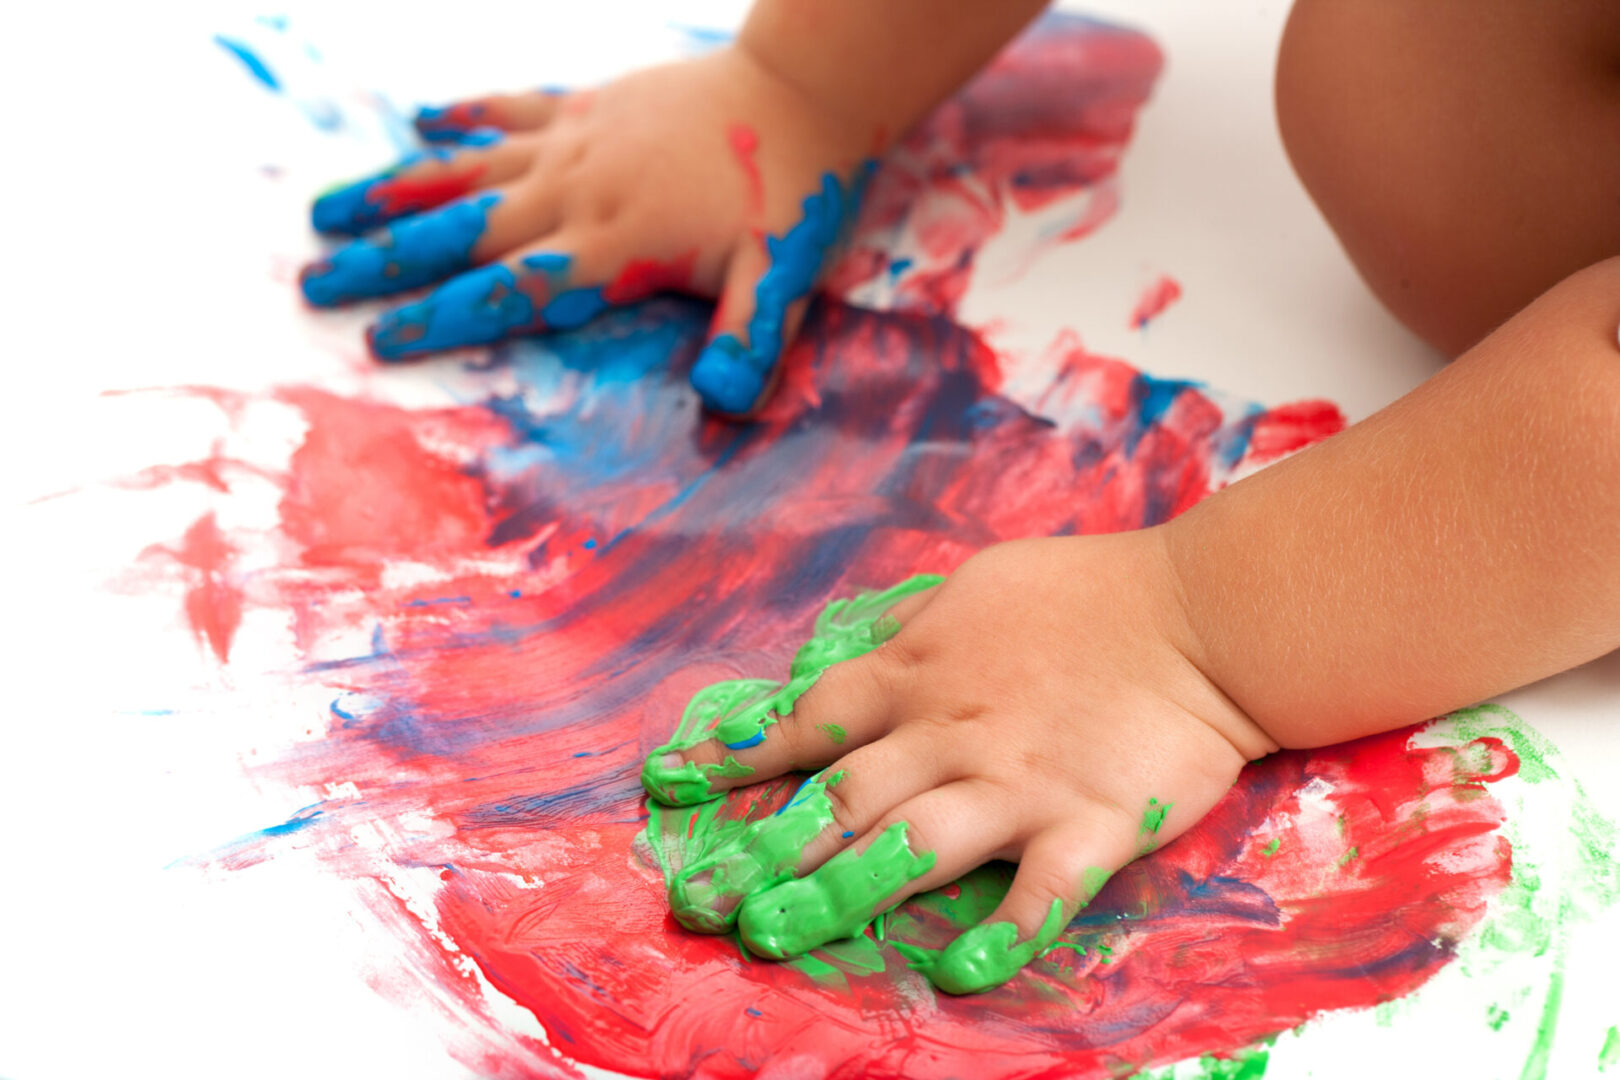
(730, 376)
(301, 820)
(250, 60)
(415, 252)
(753, 740)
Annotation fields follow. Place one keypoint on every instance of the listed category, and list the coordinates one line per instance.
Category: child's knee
(1458, 149)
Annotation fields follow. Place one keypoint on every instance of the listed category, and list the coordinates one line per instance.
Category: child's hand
(711, 176)
(1038, 706)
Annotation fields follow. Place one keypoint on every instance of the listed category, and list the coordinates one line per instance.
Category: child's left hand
(1039, 706)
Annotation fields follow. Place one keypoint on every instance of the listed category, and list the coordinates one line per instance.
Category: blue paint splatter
(250, 60)
(413, 253)
(730, 376)
(849, 835)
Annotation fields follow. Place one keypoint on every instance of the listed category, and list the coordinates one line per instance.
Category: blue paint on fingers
(413, 253)
(731, 376)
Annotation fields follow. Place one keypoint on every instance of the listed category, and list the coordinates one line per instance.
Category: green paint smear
(1529, 917)
(1271, 849)
(1610, 1054)
(738, 712)
(833, 731)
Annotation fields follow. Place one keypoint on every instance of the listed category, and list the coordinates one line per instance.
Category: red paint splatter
(213, 603)
(1155, 298)
(744, 142)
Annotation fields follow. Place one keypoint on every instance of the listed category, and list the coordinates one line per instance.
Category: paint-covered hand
(1038, 706)
(711, 177)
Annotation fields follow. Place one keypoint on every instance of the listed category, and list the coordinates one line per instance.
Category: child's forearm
(880, 65)
(1460, 543)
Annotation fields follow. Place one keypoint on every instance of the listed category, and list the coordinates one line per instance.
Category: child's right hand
(711, 176)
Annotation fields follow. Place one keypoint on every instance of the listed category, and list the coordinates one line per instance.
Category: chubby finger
(422, 180)
(549, 286)
(827, 814)
(928, 840)
(741, 732)
(420, 250)
(764, 297)
(529, 111)
(1059, 873)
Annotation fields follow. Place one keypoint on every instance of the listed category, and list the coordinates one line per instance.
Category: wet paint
(731, 374)
(413, 252)
(738, 713)
(497, 683)
(359, 207)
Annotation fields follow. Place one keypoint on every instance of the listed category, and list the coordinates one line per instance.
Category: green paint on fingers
(739, 712)
(837, 901)
(833, 731)
(706, 894)
(987, 955)
(1610, 1054)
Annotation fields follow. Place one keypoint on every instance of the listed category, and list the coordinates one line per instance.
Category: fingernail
(727, 377)
(412, 253)
(477, 308)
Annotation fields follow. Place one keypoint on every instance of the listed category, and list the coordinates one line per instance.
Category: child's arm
(1073, 702)
(729, 176)
(1458, 544)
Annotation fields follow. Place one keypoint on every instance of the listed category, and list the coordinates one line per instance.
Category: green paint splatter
(1271, 849)
(1496, 1016)
(1247, 1064)
(833, 732)
(1152, 822)
(1610, 1054)
(1153, 816)
(1350, 856)
(1533, 914)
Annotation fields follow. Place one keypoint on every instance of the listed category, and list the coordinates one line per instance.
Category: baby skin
(1067, 703)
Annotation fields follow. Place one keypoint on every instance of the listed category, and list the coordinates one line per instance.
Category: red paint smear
(416, 503)
(213, 602)
(1155, 298)
(1287, 428)
(1047, 121)
(402, 195)
(642, 278)
(516, 724)
(744, 142)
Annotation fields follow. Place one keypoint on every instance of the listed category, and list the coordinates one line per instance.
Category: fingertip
(342, 211)
(728, 377)
(314, 281)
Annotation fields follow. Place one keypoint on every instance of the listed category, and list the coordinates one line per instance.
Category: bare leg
(1466, 152)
